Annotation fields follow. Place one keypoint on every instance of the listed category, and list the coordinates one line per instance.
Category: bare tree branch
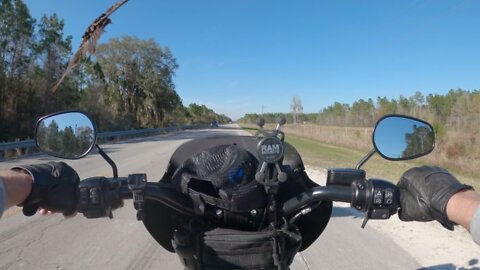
(90, 39)
(297, 108)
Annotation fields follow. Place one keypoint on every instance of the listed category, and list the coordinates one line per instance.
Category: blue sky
(237, 55)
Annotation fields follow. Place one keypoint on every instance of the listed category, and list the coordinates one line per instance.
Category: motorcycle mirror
(260, 122)
(398, 137)
(281, 120)
(69, 135)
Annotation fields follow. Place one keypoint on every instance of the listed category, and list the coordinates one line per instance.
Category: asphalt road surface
(53, 242)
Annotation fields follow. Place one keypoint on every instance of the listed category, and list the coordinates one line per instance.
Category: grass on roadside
(327, 156)
(322, 155)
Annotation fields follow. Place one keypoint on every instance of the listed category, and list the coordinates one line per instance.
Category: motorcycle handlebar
(99, 196)
(330, 193)
(162, 193)
(170, 197)
(174, 199)
(377, 197)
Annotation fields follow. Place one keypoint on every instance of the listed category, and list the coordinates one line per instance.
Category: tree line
(454, 116)
(458, 109)
(128, 84)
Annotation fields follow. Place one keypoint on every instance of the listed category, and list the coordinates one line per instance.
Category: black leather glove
(54, 188)
(424, 193)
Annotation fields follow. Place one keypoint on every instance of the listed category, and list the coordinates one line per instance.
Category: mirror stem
(365, 159)
(109, 160)
(277, 129)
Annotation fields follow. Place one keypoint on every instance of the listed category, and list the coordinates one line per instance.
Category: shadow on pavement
(346, 212)
(472, 265)
(184, 135)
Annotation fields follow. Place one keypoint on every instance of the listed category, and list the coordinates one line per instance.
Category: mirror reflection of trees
(67, 142)
(419, 141)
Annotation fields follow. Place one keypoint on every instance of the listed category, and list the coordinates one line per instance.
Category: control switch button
(388, 196)
(380, 214)
(377, 196)
(94, 195)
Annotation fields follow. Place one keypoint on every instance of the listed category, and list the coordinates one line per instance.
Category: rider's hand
(54, 188)
(424, 193)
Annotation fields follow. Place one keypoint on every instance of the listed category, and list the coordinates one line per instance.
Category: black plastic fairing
(161, 221)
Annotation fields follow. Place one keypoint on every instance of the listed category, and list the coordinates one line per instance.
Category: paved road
(123, 243)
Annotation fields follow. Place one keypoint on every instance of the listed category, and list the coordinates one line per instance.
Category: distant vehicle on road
(214, 124)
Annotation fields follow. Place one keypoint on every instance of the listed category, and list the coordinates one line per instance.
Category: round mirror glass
(399, 137)
(260, 122)
(68, 135)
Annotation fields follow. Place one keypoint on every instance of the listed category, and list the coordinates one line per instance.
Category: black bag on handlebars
(221, 183)
(214, 248)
